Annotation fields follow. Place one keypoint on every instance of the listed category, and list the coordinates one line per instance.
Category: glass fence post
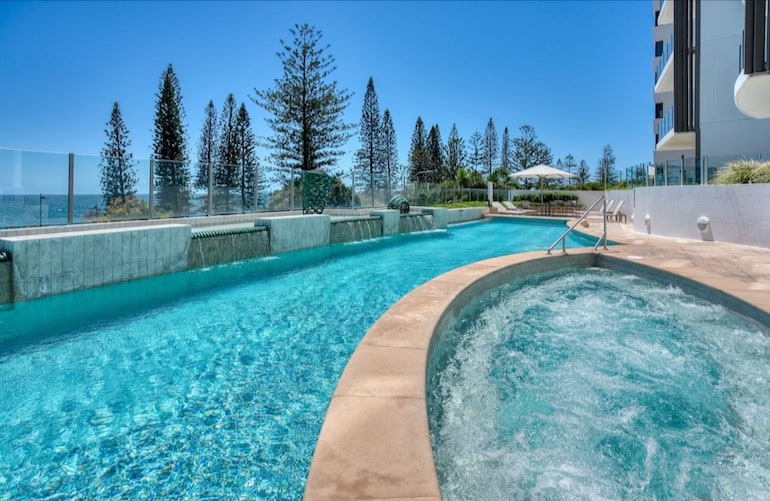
(71, 189)
(151, 196)
(256, 189)
(210, 188)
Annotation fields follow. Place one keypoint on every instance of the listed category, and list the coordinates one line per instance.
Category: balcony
(666, 15)
(669, 139)
(664, 70)
(752, 94)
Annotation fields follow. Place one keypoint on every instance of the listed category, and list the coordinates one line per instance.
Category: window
(658, 110)
(659, 48)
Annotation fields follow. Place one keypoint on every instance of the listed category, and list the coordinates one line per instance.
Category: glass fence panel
(33, 188)
(173, 192)
(674, 174)
(691, 171)
(88, 203)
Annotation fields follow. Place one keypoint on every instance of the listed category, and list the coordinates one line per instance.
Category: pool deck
(375, 442)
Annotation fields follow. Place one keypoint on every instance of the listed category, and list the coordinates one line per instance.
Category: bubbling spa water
(592, 384)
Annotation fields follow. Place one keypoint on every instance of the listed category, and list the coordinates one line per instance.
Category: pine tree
(307, 110)
(506, 156)
(582, 173)
(389, 150)
(606, 172)
(369, 134)
(246, 157)
(169, 145)
(418, 155)
(528, 151)
(455, 153)
(490, 147)
(570, 165)
(118, 170)
(226, 171)
(207, 146)
(476, 150)
(435, 155)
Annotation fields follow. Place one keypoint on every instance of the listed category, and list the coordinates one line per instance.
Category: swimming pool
(597, 384)
(212, 383)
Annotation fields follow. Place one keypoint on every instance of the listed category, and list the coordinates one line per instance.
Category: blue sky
(578, 71)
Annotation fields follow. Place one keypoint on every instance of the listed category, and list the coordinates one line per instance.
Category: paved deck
(375, 442)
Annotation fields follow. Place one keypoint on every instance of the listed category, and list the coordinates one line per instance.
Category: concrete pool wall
(375, 440)
(41, 262)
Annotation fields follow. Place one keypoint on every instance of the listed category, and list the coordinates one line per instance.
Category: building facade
(711, 107)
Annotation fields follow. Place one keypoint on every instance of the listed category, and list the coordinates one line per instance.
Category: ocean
(18, 211)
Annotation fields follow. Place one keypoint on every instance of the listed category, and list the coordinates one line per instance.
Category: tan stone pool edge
(375, 442)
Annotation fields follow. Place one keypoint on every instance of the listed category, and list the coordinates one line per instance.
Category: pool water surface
(592, 384)
(212, 383)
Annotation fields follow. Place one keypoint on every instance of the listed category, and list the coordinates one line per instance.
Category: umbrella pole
(542, 210)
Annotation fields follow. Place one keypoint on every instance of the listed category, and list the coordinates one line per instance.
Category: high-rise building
(712, 88)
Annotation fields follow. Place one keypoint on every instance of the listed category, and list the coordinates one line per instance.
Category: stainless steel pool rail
(563, 237)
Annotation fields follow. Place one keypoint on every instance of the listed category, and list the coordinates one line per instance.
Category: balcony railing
(666, 123)
(668, 49)
(666, 15)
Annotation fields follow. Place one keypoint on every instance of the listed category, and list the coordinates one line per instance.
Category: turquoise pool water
(591, 384)
(207, 384)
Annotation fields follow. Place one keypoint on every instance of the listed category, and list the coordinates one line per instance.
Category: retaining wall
(72, 258)
(44, 265)
(455, 216)
(738, 213)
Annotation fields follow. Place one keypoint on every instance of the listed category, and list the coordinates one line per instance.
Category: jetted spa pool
(589, 383)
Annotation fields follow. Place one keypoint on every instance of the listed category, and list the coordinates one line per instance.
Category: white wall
(737, 213)
(724, 130)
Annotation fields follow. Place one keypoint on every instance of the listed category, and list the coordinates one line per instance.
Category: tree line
(227, 160)
(306, 117)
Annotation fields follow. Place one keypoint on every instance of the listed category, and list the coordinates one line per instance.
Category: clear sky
(579, 72)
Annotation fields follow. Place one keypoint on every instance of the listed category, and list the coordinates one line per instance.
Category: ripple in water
(592, 384)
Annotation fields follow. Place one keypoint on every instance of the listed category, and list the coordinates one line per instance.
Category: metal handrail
(563, 238)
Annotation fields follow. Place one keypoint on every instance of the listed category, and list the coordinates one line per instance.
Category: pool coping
(375, 442)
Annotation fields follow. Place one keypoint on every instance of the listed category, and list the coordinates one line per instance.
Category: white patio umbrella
(542, 172)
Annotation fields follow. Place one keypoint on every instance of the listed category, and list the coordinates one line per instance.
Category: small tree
(169, 146)
(207, 146)
(418, 154)
(389, 150)
(455, 153)
(118, 170)
(307, 109)
(582, 173)
(506, 155)
(435, 155)
(246, 158)
(226, 172)
(370, 135)
(476, 151)
(528, 151)
(606, 169)
(490, 148)
(570, 165)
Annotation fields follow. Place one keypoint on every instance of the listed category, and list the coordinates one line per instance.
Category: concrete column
(390, 220)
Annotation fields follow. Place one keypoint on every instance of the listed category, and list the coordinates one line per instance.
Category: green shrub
(548, 196)
(744, 172)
